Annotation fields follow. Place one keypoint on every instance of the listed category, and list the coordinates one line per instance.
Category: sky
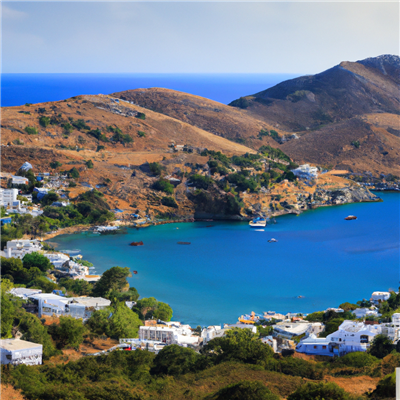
(194, 37)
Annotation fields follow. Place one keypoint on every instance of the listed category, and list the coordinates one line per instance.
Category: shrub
(73, 173)
(169, 202)
(155, 168)
(80, 124)
(245, 390)
(68, 128)
(44, 121)
(356, 143)
(356, 360)
(31, 130)
(36, 260)
(242, 102)
(18, 142)
(200, 181)
(141, 115)
(164, 186)
(72, 184)
(100, 148)
(89, 164)
(98, 135)
(319, 391)
(381, 346)
(69, 332)
(386, 388)
(55, 164)
(141, 134)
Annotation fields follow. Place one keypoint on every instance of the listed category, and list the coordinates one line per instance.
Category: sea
(229, 269)
(18, 89)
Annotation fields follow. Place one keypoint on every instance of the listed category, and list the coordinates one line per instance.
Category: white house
(18, 248)
(8, 198)
(392, 329)
(288, 330)
(351, 336)
(16, 351)
(57, 259)
(366, 312)
(305, 171)
(379, 297)
(76, 307)
(271, 341)
(24, 293)
(19, 180)
(170, 333)
(212, 332)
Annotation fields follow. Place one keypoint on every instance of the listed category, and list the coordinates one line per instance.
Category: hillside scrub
(31, 130)
(164, 186)
(169, 202)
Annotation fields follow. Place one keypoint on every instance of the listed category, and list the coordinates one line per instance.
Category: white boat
(272, 240)
(258, 222)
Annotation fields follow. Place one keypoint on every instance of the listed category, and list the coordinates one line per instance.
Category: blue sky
(194, 37)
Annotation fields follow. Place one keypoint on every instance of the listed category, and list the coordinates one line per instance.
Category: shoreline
(131, 224)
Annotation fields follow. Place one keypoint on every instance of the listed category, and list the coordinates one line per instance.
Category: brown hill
(209, 115)
(329, 111)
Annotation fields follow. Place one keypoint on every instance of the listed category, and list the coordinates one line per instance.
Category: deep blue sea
(18, 89)
(230, 269)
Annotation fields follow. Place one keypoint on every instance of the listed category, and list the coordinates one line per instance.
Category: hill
(349, 103)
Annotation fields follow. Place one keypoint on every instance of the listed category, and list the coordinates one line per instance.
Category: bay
(230, 269)
(18, 89)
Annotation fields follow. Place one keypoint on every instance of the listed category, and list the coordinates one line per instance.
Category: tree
(89, 164)
(99, 321)
(155, 168)
(44, 121)
(348, 306)
(124, 323)
(37, 260)
(381, 346)
(33, 331)
(73, 173)
(31, 130)
(164, 186)
(141, 115)
(238, 345)
(149, 308)
(7, 309)
(49, 199)
(174, 360)
(319, 391)
(386, 388)
(70, 332)
(112, 279)
(169, 202)
(245, 390)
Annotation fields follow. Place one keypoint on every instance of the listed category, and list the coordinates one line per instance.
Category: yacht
(258, 222)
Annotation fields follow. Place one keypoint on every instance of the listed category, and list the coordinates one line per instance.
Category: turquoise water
(230, 269)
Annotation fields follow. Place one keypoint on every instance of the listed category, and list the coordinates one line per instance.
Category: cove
(230, 269)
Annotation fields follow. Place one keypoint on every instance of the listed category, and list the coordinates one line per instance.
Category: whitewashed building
(212, 332)
(366, 312)
(305, 171)
(16, 351)
(288, 330)
(18, 248)
(24, 293)
(19, 180)
(350, 337)
(8, 198)
(169, 333)
(379, 297)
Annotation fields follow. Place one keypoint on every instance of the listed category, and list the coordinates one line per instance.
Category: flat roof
(17, 344)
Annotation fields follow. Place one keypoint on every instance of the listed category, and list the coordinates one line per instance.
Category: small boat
(350, 217)
(135, 272)
(272, 240)
(136, 243)
(258, 222)
(209, 226)
(183, 242)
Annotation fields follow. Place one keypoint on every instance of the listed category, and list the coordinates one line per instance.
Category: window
(324, 347)
(315, 347)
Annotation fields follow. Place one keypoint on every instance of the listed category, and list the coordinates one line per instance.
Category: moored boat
(258, 222)
(350, 217)
(136, 243)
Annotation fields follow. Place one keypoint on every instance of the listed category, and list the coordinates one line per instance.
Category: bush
(169, 202)
(31, 130)
(319, 391)
(148, 308)
(114, 279)
(73, 173)
(55, 164)
(242, 102)
(164, 186)
(89, 164)
(72, 184)
(356, 360)
(200, 181)
(69, 332)
(155, 168)
(141, 115)
(356, 143)
(141, 134)
(79, 124)
(386, 388)
(37, 260)
(98, 135)
(44, 121)
(245, 390)
(174, 360)
(381, 346)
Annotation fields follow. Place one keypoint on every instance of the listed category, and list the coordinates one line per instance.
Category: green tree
(245, 390)
(44, 121)
(141, 115)
(49, 199)
(386, 388)
(124, 323)
(33, 331)
(70, 331)
(348, 306)
(73, 173)
(319, 391)
(169, 202)
(174, 360)
(238, 345)
(112, 279)
(99, 321)
(31, 130)
(55, 164)
(381, 346)
(7, 309)
(36, 260)
(155, 168)
(149, 308)
(164, 186)
(89, 164)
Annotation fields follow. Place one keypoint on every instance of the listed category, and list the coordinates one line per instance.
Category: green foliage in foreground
(149, 308)
(320, 391)
(245, 390)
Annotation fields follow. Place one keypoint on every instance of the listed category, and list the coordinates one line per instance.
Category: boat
(350, 217)
(183, 242)
(258, 222)
(135, 272)
(272, 240)
(136, 243)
